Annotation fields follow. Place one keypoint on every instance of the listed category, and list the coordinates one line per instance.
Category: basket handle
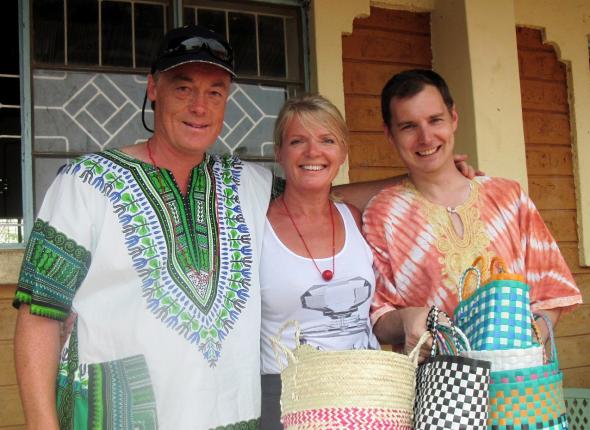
(463, 338)
(497, 266)
(480, 263)
(549, 325)
(461, 286)
(448, 339)
(416, 351)
(537, 333)
(278, 346)
(451, 341)
(499, 270)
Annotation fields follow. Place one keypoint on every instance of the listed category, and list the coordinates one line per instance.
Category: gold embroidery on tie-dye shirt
(457, 253)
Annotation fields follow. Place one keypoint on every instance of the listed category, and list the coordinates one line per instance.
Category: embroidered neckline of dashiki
(456, 252)
(193, 253)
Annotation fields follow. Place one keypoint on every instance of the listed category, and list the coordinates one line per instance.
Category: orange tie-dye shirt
(419, 258)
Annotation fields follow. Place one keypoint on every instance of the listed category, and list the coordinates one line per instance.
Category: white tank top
(333, 315)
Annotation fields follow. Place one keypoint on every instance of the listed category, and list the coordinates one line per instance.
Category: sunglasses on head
(216, 48)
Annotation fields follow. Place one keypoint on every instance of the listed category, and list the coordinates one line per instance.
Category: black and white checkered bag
(452, 392)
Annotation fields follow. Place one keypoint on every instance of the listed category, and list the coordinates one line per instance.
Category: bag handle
(448, 339)
(433, 326)
(497, 266)
(464, 276)
(537, 333)
(413, 356)
(459, 342)
(549, 325)
(278, 346)
(498, 270)
(480, 263)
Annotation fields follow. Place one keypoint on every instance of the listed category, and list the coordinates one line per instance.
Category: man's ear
(151, 88)
(388, 134)
(454, 118)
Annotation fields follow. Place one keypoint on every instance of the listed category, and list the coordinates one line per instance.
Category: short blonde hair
(311, 109)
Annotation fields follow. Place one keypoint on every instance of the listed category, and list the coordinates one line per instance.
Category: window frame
(26, 119)
(101, 68)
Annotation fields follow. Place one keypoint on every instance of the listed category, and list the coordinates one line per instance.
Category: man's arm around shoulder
(359, 193)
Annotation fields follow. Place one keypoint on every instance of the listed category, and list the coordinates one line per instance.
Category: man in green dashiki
(155, 247)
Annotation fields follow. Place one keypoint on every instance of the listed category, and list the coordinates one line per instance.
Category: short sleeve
(386, 297)
(57, 255)
(551, 281)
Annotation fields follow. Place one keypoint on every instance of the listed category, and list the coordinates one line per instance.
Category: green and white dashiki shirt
(165, 287)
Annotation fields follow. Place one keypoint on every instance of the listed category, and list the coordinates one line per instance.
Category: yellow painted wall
(329, 20)
(409, 5)
(474, 48)
(10, 261)
(11, 413)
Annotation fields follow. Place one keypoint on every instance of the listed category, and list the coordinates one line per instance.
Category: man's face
(422, 129)
(190, 105)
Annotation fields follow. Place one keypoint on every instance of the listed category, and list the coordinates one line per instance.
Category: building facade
(74, 82)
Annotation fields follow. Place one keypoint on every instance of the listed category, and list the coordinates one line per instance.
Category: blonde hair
(310, 109)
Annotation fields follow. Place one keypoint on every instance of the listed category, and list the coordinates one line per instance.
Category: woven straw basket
(356, 389)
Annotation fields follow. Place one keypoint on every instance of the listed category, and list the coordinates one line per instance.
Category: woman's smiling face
(310, 154)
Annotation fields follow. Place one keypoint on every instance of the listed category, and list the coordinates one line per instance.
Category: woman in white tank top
(315, 265)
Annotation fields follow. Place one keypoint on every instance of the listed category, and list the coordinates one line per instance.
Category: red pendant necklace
(326, 274)
(149, 151)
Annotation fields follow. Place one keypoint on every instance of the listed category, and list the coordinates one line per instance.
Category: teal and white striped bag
(497, 315)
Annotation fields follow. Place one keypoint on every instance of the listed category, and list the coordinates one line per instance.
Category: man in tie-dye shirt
(426, 230)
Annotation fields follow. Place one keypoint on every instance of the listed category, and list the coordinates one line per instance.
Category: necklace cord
(326, 274)
(151, 157)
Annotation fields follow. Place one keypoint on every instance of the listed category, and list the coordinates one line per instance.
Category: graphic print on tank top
(339, 302)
